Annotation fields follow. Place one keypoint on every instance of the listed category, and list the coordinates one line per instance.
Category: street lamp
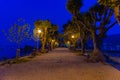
(68, 42)
(72, 36)
(38, 32)
(56, 44)
(73, 40)
(53, 40)
(52, 43)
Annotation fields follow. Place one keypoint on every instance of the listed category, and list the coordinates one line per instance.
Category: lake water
(8, 53)
(8, 49)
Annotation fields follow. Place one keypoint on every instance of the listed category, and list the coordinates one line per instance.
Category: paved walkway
(59, 64)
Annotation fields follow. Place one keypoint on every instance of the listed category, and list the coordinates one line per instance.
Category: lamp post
(73, 41)
(52, 43)
(38, 32)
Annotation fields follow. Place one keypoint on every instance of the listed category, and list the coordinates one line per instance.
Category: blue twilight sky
(31, 10)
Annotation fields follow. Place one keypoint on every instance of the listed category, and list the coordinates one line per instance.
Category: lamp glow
(68, 42)
(73, 36)
(39, 31)
(53, 40)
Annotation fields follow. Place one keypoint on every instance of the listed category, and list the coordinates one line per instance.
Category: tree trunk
(97, 55)
(74, 45)
(43, 50)
(43, 47)
(82, 46)
(51, 45)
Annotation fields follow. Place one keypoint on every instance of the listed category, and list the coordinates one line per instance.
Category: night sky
(31, 10)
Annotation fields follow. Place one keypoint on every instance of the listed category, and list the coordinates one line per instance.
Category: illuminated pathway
(59, 64)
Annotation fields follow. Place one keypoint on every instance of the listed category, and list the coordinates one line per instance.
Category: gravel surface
(59, 64)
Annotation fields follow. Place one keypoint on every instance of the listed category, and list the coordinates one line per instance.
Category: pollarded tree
(43, 26)
(71, 33)
(97, 14)
(18, 32)
(109, 3)
(115, 4)
(52, 35)
(73, 7)
(74, 28)
(82, 32)
(102, 15)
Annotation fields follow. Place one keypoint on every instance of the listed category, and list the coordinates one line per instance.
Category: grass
(21, 60)
(15, 61)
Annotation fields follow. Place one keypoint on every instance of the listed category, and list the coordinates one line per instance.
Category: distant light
(53, 40)
(56, 43)
(68, 42)
(73, 36)
(39, 31)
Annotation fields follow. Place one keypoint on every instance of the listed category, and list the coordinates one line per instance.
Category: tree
(52, 35)
(71, 33)
(82, 32)
(115, 4)
(102, 15)
(109, 3)
(97, 14)
(89, 20)
(17, 33)
(43, 26)
(73, 7)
